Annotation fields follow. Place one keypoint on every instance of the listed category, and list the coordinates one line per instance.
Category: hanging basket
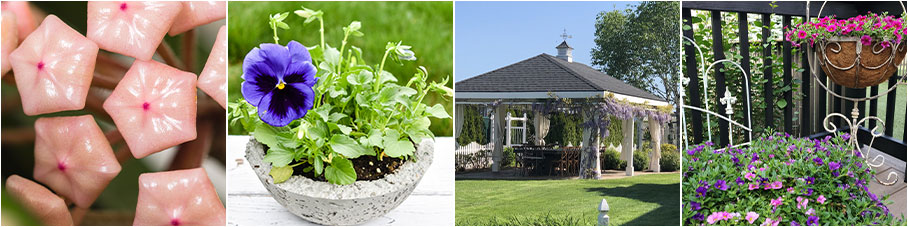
(849, 63)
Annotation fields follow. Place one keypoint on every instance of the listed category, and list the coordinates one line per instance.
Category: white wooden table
(432, 202)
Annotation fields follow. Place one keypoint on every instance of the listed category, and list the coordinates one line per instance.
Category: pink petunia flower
(866, 40)
(821, 199)
(776, 185)
(749, 176)
(751, 217)
(752, 186)
(776, 202)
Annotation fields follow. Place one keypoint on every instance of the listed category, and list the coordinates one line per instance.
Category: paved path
(249, 203)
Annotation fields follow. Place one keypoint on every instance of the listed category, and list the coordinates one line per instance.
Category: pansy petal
(300, 72)
(298, 52)
(253, 93)
(276, 57)
(308, 96)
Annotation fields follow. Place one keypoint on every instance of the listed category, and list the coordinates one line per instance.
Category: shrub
(781, 180)
(508, 157)
(670, 161)
(611, 159)
(641, 159)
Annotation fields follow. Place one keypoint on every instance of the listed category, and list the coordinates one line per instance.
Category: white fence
(473, 156)
(517, 133)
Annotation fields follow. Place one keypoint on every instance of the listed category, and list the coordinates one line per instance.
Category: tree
(641, 47)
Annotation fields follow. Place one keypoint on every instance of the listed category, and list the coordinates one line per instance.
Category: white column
(655, 130)
(500, 113)
(627, 145)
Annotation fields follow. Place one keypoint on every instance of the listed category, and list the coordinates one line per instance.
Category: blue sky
(490, 35)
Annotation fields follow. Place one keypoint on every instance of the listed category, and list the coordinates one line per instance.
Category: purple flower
(794, 223)
(813, 220)
(739, 181)
(698, 217)
(866, 40)
(834, 166)
(279, 80)
(818, 161)
(701, 191)
(810, 180)
(847, 136)
(720, 184)
(694, 206)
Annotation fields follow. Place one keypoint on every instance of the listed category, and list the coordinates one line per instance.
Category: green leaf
(319, 165)
(340, 172)
(282, 25)
(342, 144)
(332, 56)
(438, 111)
(281, 174)
(360, 78)
(266, 134)
(279, 156)
(344, 129)
(399, 148)
(385, 76)
(781, 103)
(335, 117)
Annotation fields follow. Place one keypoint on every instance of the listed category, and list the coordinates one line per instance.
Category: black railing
(810, 121)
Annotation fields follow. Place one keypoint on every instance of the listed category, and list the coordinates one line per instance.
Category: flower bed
(781, 180)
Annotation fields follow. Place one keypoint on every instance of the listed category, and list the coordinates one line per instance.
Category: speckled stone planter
(329, 204)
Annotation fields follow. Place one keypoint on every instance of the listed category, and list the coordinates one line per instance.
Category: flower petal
(276, 58)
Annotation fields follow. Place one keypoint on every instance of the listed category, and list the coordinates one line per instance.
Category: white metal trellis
(513, 129)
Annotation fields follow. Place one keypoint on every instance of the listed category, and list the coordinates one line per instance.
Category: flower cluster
(781, 180)
(871, 28)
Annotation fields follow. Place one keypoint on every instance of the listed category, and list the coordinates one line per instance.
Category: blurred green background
(427, 26)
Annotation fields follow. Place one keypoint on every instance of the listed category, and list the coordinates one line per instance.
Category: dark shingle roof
(545, 73)
(563, 45)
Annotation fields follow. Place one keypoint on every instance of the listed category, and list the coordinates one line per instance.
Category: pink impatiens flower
(821, 199)
(751, 217)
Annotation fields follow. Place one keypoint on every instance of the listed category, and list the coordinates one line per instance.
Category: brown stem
(191, 154)
(95, 103)
(189, 50)
(114, 136)
(18, 135)
(169, 56)
(123, 155)
(104, 81)
(78, 214)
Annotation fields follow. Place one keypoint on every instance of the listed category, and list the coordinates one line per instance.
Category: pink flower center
(175, 222)
(40, 65)
(145, 105)
(123, 6)
(61, 166)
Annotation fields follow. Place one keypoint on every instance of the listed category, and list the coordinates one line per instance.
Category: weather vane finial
(565, 36)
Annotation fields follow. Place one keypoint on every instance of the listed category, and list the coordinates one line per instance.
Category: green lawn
(899, 121)
(639, 201)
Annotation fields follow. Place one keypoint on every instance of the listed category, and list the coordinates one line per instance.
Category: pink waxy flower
(54, 67)
(196, 13)
(73, 158)
(154, 105)
(40, 202)
(9, 41)
(212, 80)
(133, 29)
(25, 20)
(180, 197)
(751, 217)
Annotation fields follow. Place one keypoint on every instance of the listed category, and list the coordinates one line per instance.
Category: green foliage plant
(360, 109)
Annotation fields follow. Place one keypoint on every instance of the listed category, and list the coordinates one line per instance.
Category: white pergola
(545, 77)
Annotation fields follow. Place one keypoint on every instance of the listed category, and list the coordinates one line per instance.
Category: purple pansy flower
(278, 80)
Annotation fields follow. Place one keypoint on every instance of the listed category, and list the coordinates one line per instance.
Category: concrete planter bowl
(329, 204)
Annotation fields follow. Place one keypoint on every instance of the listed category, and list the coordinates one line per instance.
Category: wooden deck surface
(897, 192)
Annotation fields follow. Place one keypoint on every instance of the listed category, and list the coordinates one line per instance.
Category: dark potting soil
(366, 167)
